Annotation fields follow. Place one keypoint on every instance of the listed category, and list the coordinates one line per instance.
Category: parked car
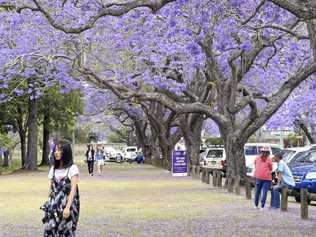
(106, 157)
(252, 150)
(130, 153)
(215, 158)
(109, 154)
(140, 159)
(201, 158)
(290, 155)
(304, 172)
(119, 158)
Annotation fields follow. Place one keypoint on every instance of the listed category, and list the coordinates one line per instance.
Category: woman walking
(263, 169)
(90, 159)
(62, 208)
(99, 158)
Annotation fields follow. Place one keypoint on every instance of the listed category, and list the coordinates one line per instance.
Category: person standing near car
(90, 158)
(263, 169)
(284, 179)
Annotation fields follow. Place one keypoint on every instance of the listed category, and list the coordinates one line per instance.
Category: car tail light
(222, 163)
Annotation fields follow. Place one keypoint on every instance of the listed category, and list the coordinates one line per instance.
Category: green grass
(131, 198)
(22, 195)
(79, 152)
(15, 165)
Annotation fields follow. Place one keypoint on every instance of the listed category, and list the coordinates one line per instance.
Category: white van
(130, 153)
(252, 150)
(215, 158)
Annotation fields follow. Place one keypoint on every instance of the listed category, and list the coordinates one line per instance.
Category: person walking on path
(263, 169)
(63, 205)
(90, 159)
(285, 179)
(99, 158)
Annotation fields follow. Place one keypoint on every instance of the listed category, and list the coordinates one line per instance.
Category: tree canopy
(243, 64)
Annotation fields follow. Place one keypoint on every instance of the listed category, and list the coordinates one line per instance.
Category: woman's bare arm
(74, 181)
(49, 187)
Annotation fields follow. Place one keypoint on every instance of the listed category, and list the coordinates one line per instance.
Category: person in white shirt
(63, 205)
(285, 179)
(99, 158)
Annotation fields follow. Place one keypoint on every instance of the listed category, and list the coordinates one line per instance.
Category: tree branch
(255, 12)
(110, 9)
(278, 98)
(283, 29)
(299, 10)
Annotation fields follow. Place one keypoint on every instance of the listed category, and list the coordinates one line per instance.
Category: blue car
(304, 173)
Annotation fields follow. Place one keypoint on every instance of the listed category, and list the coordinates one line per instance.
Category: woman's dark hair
(66, 154)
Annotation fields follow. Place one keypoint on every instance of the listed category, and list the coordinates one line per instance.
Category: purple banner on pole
(179, 163)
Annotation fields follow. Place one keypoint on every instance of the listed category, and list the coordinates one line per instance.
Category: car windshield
(130, 150)
(287, 154)
(312, 156)
(300, 157)
(251, 150)
(276, 150)
(215, 154)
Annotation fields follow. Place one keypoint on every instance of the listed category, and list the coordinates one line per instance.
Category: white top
(60, 173)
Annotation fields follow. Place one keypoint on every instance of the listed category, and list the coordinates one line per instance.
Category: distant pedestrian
(90, 158)
(284, 179)
(63, 206)
(103, 152)
(99, 158)
(52, 155)
(263, 169)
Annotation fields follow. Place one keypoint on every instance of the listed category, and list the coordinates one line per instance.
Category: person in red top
(263, 169)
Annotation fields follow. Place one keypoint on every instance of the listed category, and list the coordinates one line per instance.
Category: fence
(217, 176)
(305, 197)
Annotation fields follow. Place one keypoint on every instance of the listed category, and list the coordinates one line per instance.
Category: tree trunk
(231, 170)
(31, 157)
(45, 154)
(22, 136)
(166, 151)
(311, 27)
(142, 139)
(307, 133)
(1, 156)
(166, 148)
(193, 145)
(22, 125)
(167, 143)
(154, 148)
(147, 152)
(192, 137)
(156, 158)
(193, 150)
(236, 164)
